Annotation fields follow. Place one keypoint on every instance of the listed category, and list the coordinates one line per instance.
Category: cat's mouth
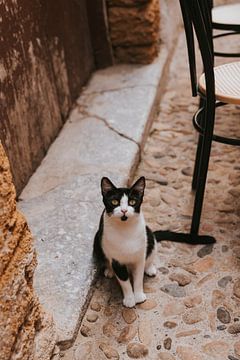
(124, 218)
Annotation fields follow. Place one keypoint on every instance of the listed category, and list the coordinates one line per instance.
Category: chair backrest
(197, 15)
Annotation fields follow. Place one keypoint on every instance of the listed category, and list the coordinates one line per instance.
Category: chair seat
(226, 15)
(227, 83)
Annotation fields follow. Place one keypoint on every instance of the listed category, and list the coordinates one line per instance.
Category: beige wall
(21, 318)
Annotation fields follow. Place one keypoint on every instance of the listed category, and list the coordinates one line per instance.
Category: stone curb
(103, 136)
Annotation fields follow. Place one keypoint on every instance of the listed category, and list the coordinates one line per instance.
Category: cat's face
(122, 203)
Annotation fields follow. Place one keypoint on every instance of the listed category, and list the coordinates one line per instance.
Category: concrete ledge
(62, 203)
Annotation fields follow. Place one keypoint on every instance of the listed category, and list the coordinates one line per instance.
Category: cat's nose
(123, 211)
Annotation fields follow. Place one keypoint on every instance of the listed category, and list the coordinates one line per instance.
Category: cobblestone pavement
(193, 306)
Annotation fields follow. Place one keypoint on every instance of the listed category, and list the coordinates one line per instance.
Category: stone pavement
(193, 306)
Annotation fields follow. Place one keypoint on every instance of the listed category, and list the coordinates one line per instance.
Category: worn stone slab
(126, 76)
(126, 113)
(64, 221)
(130, 94)
(85, 146)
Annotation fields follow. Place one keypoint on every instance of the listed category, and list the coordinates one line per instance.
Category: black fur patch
(97, 246)
(120, 270)
(150, 241)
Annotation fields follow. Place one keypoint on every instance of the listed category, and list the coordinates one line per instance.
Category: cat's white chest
(124, 241)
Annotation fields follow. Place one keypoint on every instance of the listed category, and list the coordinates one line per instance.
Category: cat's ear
(139, 185)
(106, 185)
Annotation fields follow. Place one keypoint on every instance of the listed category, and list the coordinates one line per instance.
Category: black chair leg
(201, 183)
(197, 162)
(199, 150)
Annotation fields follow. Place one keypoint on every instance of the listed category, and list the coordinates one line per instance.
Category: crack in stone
(116, 89)
(84, 112)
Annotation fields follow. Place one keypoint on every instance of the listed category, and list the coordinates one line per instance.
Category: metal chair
(217, 86)
(227, 19)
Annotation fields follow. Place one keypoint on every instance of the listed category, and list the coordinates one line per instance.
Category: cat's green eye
(115, 202)
(132, 202)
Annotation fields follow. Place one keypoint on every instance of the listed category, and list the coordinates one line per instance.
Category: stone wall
(21, 318)
(134, 30)
(46, 58)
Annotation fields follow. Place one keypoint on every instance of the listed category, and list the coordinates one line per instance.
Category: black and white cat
(124, 245)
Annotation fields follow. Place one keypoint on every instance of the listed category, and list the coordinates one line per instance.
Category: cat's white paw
(151, 270)
(108, 273)
(129, 301)
(140, 297)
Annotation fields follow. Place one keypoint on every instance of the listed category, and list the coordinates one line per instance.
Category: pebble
(187, 353)
(149, 290)
(145, 332)
(174, 290)
(224, 281)
(234, 328)
(136, 350)
(158, 179)
(188, 171)
(83, 350)
(167, 343)
(109, 351)
(169, 324)
(236, 251)
(193, 316)
(205, 279)
(236, 288)
(92, 317)
(180, 278)
(149, 304)
(165, 356)
(193, 301)
(223, 315)
(205, 250)
(168, 199)
(129, 315)
(109, 329)
(204, 264)
(216, 348)
(237, 348)
(188, 333)
(108, 311)
(221, 327)
(85, 330)
(217, 298)
(127, 334)
(224, 248)
(95, 306)
(230, 357)
(173, 308)
(163, 270)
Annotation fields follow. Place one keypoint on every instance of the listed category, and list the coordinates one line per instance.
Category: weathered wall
(46, 56)
(21, 318)
(134, 30)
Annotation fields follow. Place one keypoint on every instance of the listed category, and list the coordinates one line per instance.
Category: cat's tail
(193, 239)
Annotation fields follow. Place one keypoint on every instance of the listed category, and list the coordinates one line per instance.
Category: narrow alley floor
(192, 310)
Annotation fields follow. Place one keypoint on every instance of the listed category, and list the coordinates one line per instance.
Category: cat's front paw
(129, 301)
(151, 270)
(140, 297)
